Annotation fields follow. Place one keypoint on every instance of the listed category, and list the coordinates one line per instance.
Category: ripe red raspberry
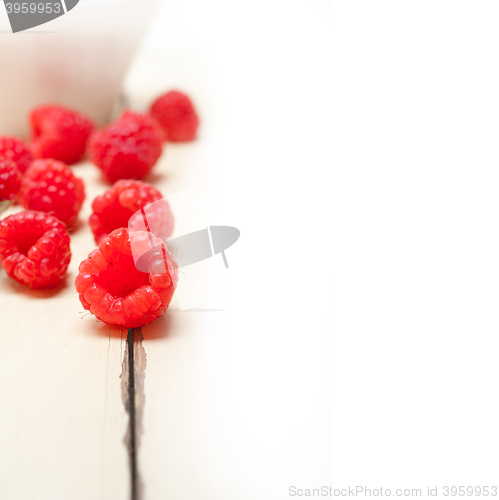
(50, 186)
(127, 148)
(14, 149)
(59, 133)
(10, 180)
(111, 287)
(34, 248)
(176, 114)
(114, 208)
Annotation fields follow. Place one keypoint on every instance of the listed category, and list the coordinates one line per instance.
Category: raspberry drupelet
(14, 149)
(10, 180)
(50, 186)
(59, 133)
(34, 249)
(114, 208)
(175, 113)
(115, 291)
(127, 148)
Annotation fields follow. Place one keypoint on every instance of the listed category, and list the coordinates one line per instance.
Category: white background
(394, 188)
(414, 183)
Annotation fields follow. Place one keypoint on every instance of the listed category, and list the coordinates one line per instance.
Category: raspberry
(128, 148)
(176, 114)
(10, 180)
(116, 292)
(59, 133)
(14, 149)
(114, 208)
(50, 186)
(34, 248)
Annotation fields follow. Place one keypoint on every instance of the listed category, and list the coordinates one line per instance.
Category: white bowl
(79, 60)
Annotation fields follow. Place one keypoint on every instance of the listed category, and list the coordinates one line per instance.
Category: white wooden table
(231, 401)
(63, 422)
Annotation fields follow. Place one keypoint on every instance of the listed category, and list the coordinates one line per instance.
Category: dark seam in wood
(133, 428)
(132, 387)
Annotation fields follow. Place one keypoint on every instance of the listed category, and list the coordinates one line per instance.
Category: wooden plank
(184, 452)
(178, 348)
(235, 395)
(237, 401)
(63, 421)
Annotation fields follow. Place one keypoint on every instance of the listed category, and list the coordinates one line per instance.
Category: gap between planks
(132, 388)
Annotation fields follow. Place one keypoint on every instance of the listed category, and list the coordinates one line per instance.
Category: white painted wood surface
(236, 392)
(62, 421)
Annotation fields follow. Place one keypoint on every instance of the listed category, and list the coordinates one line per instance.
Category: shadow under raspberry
(36, 293)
